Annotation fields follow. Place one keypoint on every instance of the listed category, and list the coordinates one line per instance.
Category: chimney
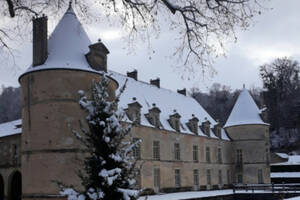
(155, 82)
(183, 91)
(39, 40)
(133, 74)
(97, 56)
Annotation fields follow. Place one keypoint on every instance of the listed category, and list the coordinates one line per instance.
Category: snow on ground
(187, 195)
(199, 194)
(293, 198)
(293, 160)
(10, 128)
(285, 175)
(245, 111)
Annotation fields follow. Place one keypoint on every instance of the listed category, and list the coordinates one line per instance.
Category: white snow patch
(166, 100)
(285, 175)
(245, 111)
(292, 160)
(187, 195)
(11, 128)
(67, 46)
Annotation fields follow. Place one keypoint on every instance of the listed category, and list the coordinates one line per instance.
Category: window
(156, 150)
(195, 127)
(177, 151)
(208, 154)
(240, 178)
(137, 149)
(228, 177)
(156, 177)
(196, 177)
(220, 177)
(156, 121)
(177, 178)
(219, 155)
(15, 151)
(208, 177)
(176, 125)
(207, 130)
(260, 176)
(239, 156)
(195, 153)
(136, 116)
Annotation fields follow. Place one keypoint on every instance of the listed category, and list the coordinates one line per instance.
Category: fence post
(272, 187)
(233, 188)
(246, 187)
(283, 187)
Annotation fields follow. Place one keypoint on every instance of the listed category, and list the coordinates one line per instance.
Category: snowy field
(199, 194)
(187, 195)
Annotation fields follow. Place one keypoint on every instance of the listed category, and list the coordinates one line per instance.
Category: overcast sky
(274, 34)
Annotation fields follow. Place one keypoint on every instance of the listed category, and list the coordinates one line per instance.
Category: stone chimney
(133, 74)
(97, 56)
(155, 82)
(183, 91)
(39, 40)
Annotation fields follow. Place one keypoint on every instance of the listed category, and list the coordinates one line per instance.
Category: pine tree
(109, 168)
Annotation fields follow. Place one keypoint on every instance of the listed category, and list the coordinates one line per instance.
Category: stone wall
(10, 162)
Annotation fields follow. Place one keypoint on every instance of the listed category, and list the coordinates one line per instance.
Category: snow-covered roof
(292, 160)
(245, 111)
(67, 46)
(10, 128)
(167, 101)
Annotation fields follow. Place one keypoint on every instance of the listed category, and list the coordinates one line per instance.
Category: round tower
(250, 137)
(50, 109)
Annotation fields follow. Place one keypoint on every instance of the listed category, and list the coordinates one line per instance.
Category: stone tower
(250, 138)
(50, 108)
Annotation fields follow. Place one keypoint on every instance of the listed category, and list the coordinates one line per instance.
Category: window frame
(177, 178)
(177, 151)
(207, 155)
(156, 177)
(156, 150)
(195, 153)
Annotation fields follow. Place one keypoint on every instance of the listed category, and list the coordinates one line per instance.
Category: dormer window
(206, 127)
(193, 124)
(217, 130)
(134, 111)
(153, 116)
(174, 121)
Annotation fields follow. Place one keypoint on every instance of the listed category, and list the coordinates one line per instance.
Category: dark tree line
(280, 95)
(219, 100)
(10, 104)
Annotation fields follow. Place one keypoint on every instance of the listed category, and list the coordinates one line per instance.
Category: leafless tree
(202, 26)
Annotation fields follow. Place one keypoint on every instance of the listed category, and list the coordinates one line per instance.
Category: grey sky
(275, 34)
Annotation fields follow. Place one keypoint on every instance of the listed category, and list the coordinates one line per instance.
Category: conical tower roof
(245, 111)
(67, 45)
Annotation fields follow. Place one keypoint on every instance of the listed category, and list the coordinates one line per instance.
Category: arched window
(15, 188)
(1, 188)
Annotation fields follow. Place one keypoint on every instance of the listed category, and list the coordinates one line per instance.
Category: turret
(50, 109)
(250, 135)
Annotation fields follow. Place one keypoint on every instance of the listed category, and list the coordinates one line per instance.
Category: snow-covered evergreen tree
(109, 168)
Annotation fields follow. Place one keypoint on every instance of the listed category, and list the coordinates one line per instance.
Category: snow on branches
(110, 166)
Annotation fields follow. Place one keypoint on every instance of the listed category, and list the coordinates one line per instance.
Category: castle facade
(182, 148)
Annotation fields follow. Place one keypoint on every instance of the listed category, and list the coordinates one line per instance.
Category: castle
(182, 148)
